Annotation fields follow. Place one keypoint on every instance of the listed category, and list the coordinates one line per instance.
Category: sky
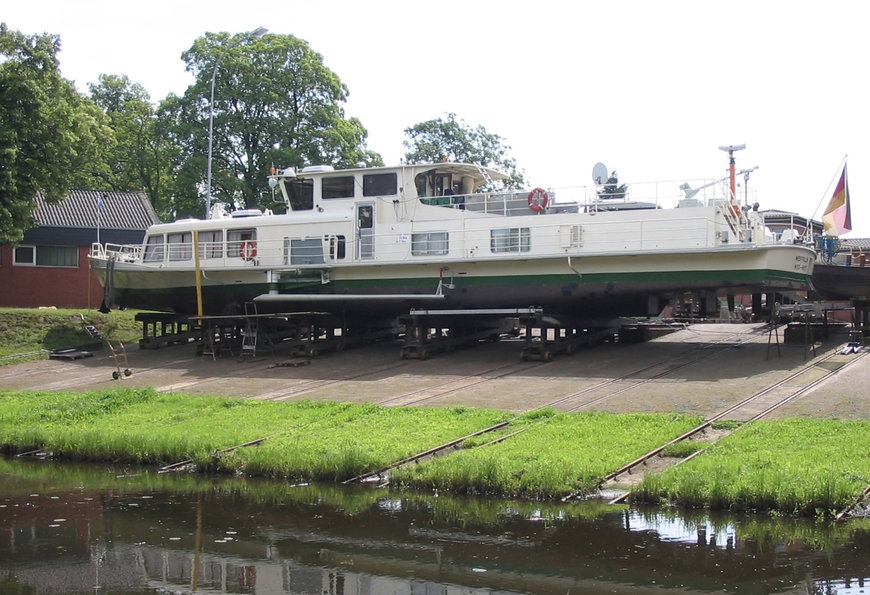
(650, 89)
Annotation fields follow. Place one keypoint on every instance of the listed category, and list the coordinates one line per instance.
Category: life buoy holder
(539, 199)
(248, 250)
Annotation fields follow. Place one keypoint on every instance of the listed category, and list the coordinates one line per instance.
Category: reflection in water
(66, 529)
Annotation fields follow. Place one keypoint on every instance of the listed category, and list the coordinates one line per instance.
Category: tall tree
(50, 135)
(439, 139)
(275, 104)
(140, 157)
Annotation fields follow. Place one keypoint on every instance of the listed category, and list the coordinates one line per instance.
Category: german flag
(838, 216)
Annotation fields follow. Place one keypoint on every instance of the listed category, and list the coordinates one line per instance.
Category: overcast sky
(651, 89)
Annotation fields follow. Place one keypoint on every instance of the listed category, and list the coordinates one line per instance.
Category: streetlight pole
(255, 34)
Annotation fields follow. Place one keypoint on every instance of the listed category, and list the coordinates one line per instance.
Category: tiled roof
(120, 210)
(862, 244)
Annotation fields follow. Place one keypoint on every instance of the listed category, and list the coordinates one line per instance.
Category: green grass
(306, 439)
(30, 331)
(797, 466)
(558, 455)
(684, 448)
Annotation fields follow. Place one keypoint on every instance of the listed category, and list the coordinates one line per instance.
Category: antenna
(745, 173)
(599, 173)
(730, 150)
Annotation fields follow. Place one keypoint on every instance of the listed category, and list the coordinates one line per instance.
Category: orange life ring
(539, 199)
(248, 250)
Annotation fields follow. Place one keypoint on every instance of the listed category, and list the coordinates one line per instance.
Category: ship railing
(591, 198)
(120, 252)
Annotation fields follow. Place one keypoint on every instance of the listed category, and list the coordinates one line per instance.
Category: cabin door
(365, 231)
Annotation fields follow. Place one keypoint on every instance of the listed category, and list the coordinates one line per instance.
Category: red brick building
(49, 267)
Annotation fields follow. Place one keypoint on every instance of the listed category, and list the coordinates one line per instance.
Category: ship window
(211, 244)
(431, 243)
(380, 184)
(154, 249)
(420, 183)
(301, 194)
(516, 239)
(180, 245)
(340, 187)
(365, 218)
(337, 247)
(237, 240)
(307, 251)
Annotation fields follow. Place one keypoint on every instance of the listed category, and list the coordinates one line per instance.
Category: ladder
(249, 340)
(486, 177)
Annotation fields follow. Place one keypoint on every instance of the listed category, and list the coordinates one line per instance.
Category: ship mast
(730, 149)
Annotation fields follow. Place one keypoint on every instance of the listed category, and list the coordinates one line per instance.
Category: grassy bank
(304, 440)
(805, 467)
(37, 331)
(558, 454)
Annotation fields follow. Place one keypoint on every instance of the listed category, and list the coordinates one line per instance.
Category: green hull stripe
(725, 277)
(661, 279)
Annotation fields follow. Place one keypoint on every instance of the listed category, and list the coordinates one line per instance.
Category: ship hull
(837, 282)
(592, 286)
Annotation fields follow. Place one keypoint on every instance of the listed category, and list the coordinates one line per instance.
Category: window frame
(38, 253)
(337, 187)
(24, 263)
(513, 240)
(237, 237)
(154, 251)
(430, 243)
(212, 247)
(382, 184)
(180, 251)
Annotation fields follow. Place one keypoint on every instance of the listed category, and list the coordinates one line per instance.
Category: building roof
(857, 244)
(81, 209)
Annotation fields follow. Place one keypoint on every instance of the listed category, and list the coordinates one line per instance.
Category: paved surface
(701, 369)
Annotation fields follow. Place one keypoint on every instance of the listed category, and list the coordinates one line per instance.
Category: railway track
(695, 354)
(755, 407)
(317, 384)
(458, 384)
(427, 394)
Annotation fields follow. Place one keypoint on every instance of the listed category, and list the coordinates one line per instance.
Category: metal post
(255, 34)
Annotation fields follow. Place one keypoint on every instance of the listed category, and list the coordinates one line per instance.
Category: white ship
(380, 241)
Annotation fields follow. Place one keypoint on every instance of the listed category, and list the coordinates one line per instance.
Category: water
(73, 529)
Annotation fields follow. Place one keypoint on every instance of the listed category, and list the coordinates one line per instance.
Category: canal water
(98, 529)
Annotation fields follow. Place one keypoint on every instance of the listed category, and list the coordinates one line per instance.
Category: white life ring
(248, 250)
(539, 199)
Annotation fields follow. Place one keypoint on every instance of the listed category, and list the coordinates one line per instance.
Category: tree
(141, 155)
(275, 104)
(50, 135)
(437, 140)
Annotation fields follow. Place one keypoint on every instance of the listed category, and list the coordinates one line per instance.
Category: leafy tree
(612, 188)
(141, 154)
(50, 135)
(275, 104)
(436, 140)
